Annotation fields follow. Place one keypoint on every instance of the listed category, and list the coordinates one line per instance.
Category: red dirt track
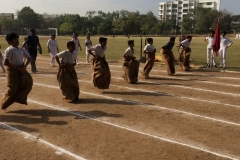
(191, 115)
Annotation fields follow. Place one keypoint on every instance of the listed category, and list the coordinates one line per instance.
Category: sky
(82, 6)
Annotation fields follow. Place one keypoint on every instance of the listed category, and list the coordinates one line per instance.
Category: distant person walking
(88, 44)
(77, 45)
(52, 47)
(32, 43)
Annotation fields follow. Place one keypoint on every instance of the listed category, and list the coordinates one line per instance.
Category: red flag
(216, 46)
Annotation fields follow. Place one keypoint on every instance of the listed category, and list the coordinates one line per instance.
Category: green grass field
(117, 46)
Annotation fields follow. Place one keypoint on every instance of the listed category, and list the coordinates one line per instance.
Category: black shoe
(215, 66)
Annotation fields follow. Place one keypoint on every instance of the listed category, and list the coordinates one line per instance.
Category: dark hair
(213, 32)
(31, 30)
(189, 36)
(149, 40)
(224, 32)
(70, 43)
(172, 38)
(130, 42)
(75, 34)
(102, 39)
(53, 35)
(10, 36)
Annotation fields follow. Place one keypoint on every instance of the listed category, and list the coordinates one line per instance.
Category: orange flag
(216, 45)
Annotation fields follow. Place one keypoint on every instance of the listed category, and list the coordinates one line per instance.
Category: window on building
(169, 5)
(169, 11)
(174, 6)
(179, 18)
(191, 4)
(179, 12)
(179, 7)
(161, 6)
(185, 5)
(209, 3)
(179, 2)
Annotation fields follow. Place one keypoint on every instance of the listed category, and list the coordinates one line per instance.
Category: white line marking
(135, 131)
(185, 87)
(192, 80)
(186, 73)
(150, 106)
(166, 94)
(32, 137)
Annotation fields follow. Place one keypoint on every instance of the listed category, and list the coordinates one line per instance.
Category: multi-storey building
(178, 8)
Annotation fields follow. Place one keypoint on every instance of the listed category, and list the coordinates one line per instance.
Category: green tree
(66, 28)
(8, 23)
(27, 18)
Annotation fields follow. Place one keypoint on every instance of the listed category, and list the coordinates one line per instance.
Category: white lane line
(166, 94)
(233, 157)
(187, 73)
(34, 138)
(150, 106)
(186, 87)
(192, 80)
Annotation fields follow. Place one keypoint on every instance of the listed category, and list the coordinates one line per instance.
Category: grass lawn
(117, 46)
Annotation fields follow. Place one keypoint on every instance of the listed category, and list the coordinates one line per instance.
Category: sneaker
(224, 67)
(215, 66)
(208, 65)
(220, 66)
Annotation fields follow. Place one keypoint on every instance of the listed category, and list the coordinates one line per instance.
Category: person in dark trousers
(32, 45)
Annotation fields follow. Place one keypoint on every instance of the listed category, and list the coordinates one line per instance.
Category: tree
(27, 18)
(8, 23)
(66, 27)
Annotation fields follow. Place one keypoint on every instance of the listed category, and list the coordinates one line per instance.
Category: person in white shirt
(88, 44)
(67, 76)
(184, 54)
(130, 64)
(77, 45)
(150, 50)
(52, 47)
(1, 60)
(224, 44)
(101, 75)
(19, 81)
(210, 52)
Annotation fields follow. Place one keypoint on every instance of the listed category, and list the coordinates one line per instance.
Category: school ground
(191, 115)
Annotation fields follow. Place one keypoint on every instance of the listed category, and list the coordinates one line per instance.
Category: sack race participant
(184, 54)
(168, 57)
(66, 75)
(130, 64)
(150, 50)
(19, 81)
(101, 76)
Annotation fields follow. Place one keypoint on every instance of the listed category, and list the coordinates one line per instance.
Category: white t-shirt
(149, 48)
(98, 50)
(52, 44)
(15, 55)
(186, 43)
(74, 56)
(224, 41)
(129, 52)
(67, 57)
(88, 42)
(210, 41)
(76, 41)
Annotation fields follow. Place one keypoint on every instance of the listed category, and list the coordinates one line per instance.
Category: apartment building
(178, 8)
